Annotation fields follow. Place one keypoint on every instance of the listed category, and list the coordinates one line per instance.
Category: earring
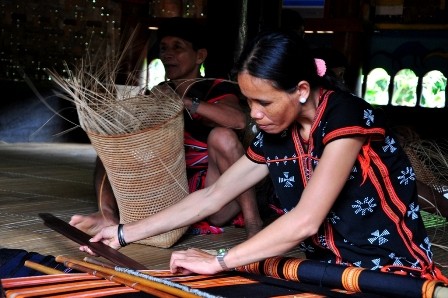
(302, 100)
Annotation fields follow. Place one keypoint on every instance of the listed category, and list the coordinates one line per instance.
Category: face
(273, 110)
(179, 58)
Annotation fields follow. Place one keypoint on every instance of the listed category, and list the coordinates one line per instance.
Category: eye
(163, 48)
(263, 103)
(260, 102)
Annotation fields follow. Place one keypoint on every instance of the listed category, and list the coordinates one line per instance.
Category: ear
(201, 56)
(303, 89)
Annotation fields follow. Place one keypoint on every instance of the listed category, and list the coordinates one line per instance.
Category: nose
(255, 113)
(166, 54)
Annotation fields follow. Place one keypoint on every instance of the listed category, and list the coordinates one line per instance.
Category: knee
(224, 140)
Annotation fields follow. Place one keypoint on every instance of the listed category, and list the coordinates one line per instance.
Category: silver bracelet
(121, 236)
(220, 257)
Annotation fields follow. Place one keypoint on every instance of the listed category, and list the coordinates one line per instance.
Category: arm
(226, 112)
(295, 226)
(196, 206)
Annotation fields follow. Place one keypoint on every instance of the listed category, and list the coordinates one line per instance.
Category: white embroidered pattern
(258, 140)
(286, 181)
(333, 218)
(354, 170)
(390, 142)
(413, 211)
(427, 248)
(364, 206)
(376, 262)
(380, 237)
(368, 115)
(322, 241)
(407, 174)
(303, 247)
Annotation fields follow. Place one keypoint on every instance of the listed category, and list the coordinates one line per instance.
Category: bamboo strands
(46, 290)
(121, 280)
(155, 283)
(103, 292)
(11, 283)
(80, 283)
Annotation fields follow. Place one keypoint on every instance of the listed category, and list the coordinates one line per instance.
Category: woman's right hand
(108, 235)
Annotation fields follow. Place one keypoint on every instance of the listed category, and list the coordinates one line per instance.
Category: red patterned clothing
(375, 222)
(196, 133)
(195, 141)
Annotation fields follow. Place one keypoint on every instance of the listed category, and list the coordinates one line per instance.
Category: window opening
(156, 72)
(433, 90)
(377, 87)
(405, 88)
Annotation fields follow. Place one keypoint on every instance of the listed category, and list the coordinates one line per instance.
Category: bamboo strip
(41, 268)
(109, 292)
(15, 282)
(177, 292)
(129, 283)
(44, 291)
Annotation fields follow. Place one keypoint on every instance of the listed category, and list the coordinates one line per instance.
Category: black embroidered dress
(375, 222)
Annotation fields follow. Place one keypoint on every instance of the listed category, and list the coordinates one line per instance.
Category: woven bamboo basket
(145, 166)
(138, 137)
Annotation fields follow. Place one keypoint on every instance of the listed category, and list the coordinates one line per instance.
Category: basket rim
(120, 135)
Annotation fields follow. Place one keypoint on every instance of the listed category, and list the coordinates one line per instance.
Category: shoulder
(207, 89)
(347, 100)
(346, 114)
(342, 104)
(224, 86)
(220, 89)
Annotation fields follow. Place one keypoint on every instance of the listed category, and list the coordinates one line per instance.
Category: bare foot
(93, 223)
(253, 227)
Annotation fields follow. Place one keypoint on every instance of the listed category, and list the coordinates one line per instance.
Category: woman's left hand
(194, 260)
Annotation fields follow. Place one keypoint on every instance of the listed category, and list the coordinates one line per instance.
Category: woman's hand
(194, 260)
(108, 235)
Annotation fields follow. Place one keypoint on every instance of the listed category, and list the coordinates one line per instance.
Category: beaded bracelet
(121, 236)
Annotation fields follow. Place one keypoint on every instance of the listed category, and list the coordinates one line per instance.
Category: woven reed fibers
(428, 157)
(146, 167)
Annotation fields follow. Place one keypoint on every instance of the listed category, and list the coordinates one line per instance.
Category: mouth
(264, 127)
(269, 128)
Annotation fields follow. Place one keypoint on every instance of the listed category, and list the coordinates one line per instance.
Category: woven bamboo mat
(58, 179)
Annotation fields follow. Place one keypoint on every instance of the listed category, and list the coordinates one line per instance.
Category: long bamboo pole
(41, 268)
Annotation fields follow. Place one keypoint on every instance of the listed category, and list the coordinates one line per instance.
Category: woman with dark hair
(345, 186)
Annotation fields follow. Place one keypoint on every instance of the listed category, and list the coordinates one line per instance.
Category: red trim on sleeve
(350, 131)
(254, 156)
